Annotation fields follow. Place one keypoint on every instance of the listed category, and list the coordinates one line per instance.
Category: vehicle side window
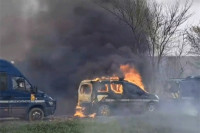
(21, 84)
(102, 88)
(85, 89)
(117, 88)
(3, 81)
(132, 89)
(189, 88)
(173, 87)
(28, 86)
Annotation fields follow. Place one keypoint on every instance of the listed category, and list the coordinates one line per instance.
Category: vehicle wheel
(36, 114)
(151, 107)
(104, 110)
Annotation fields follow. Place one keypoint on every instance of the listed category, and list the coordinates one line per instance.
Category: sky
(195, 10)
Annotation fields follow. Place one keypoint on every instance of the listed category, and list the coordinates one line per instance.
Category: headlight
(50, 103)
(50, 98)
(157, 97)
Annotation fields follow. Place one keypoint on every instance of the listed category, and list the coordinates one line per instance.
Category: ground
(146, 123)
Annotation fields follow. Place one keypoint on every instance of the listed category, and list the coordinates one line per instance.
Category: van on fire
(105, 97)
(18, 97)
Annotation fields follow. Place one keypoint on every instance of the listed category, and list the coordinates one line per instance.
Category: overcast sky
(195, 9)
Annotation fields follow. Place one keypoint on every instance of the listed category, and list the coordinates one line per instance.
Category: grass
(135, 124)
(42, 127)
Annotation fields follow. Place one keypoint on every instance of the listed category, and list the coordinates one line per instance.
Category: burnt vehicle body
(18, 97)
(106, 97)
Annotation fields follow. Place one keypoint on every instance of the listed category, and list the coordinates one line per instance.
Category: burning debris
(80, 112)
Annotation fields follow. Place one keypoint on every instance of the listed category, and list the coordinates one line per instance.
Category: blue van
(18, 97)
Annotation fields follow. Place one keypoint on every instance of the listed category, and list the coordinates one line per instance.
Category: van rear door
(85, 93)
(5, 95)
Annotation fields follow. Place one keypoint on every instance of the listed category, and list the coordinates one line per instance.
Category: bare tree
(150, 21)
(133, 13)
(165, 28)
(193, 37)
(181, 51)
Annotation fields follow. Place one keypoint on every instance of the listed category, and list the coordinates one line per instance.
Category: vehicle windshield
(21, 84)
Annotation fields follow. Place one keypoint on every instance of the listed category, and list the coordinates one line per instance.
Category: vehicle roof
(6, 66)
(104, 81)
(177, 80)
(93, 81)
(193, 77)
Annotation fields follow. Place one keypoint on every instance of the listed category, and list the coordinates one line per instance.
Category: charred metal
(106, 97)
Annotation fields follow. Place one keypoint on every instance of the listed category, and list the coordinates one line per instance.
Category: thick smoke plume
(65, 42)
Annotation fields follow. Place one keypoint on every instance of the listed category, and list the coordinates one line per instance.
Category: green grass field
(133, 124)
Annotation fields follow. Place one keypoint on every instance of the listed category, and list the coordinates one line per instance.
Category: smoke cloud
(56, 44)
(59, 43)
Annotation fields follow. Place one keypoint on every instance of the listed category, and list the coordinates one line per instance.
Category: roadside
(146, 123)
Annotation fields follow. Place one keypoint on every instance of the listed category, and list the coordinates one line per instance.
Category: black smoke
(72, 41)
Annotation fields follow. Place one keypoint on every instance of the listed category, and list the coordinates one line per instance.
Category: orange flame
(132, 75)
(92, 115)
(116, 88)
(104, 89)
(106, 78)
(80, 112)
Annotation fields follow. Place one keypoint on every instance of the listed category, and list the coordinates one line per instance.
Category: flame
(117, 88)
(132, 75)
(92, 115)
(80, 112)
(103, 89)
(106, 78)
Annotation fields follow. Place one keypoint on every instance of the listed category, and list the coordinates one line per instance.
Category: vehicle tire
(36, 114)
(104, 110)
(151, 107)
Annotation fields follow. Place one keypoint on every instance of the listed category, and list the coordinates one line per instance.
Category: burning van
(106, 96)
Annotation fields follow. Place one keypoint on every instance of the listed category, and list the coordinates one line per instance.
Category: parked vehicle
(18, 97)
(185, 89)
(106, 97)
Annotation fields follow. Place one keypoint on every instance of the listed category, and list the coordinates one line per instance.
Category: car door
(5, 95)
(21, 96)
(137, 96)
(116, 95)
(101, 91)
(85, 93)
